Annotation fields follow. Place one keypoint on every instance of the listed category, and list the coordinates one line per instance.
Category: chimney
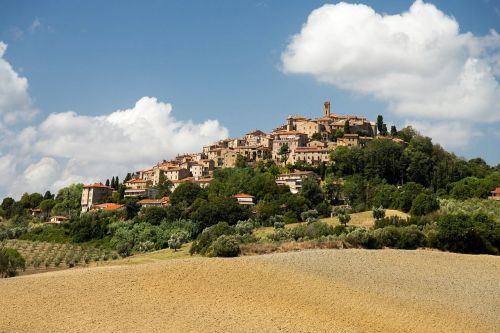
(326, 109)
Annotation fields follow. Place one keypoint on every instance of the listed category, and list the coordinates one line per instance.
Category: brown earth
(310, 291)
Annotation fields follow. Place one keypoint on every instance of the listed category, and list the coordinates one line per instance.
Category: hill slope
(311, 291)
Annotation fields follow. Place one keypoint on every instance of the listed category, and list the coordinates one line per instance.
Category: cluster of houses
(308, 141)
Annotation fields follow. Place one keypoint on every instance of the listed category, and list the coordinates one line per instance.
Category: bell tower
(326, 109)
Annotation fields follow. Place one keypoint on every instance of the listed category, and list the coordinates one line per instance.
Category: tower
(326, 109)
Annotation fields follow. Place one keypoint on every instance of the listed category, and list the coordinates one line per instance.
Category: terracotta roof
(296, 173)
(243, 195)
(109, 206)
(137, 181)
(59, 217)
(163, 200)
(497, 190)
(98, 185)
(256, 132)
(311, 149)
(288, 133)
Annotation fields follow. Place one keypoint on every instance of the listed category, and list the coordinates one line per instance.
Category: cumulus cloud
(69, 147)
(15, 101)
(418, 61)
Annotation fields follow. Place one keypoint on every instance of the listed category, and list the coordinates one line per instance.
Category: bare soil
(311, 291)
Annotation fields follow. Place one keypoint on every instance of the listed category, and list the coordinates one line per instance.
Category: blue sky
(210, 59)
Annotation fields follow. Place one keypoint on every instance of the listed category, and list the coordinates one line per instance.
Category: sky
(92, 89)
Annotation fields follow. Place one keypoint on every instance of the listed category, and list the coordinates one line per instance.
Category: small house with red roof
(495, 194)
(244, 199)
(57, 219)
(108, 206)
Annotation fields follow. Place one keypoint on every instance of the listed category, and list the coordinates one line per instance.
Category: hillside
(310, 291)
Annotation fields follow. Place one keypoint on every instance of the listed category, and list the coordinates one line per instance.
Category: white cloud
(450, 134)
(418, 61)
(15, 102)
(70, 147)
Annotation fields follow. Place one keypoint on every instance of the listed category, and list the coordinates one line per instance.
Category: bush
(361, 237)
(344, 218)
(378, 213)
(176, 240)
(309, 215)
(468, 233)
(395, 221)
(424, 204)
(409, 237)
(146, 246)
(279, 225)
(209, 235)
(10, 262)
(244, 227)
(318, 229)
(226, 246)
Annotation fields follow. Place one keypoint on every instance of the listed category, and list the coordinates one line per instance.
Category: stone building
(92, 194)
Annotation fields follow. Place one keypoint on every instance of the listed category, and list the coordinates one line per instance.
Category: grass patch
(363, 219)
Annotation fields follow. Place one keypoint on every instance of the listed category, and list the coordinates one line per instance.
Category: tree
(394, 131)
(407, 133)
(332, 190)
(127, 177)
(406, 194)
(424, 204)
(284, 152)
(347, 160)
(241, 161)
(10, 262)
(112, 184)
(344, 218)
(378, 213)
(383, 160)
(186, 193)
(164, 186)
(107, 182)
(312, 191)
(380, 123)
(316, 136)
(48, 195)
(176, 240)
(46, 206)
(347, 127)
(384, 131)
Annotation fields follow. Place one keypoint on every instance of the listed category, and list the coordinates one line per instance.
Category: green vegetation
(10, 262)
(443, 194)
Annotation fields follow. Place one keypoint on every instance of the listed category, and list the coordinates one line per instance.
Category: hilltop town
(299, 140)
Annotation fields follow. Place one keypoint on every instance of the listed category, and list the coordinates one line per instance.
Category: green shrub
(361, 237)
(395, 221)
(146, 246)
(378, 213)
(318, 229)
(309, 215)
(10, 262)
(226, 246)
(244, 227)
(279, 225)
(424, 204)
(409, 237)
(468, 233)
(209, 235)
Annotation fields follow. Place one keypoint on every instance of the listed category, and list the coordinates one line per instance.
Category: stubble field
(310, 291)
